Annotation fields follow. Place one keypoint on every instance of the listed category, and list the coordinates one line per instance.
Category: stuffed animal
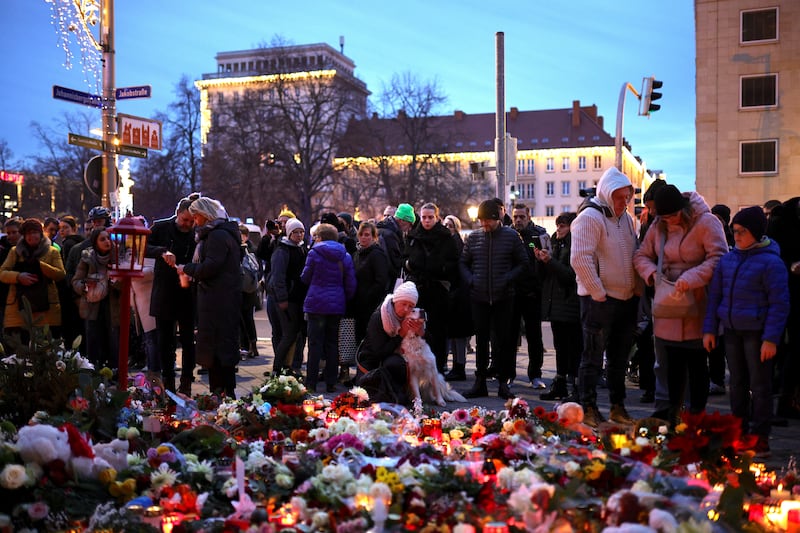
(115, 453)
(572, 413)
(42, 444)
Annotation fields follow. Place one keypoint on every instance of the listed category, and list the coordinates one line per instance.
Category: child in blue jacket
(749, 297)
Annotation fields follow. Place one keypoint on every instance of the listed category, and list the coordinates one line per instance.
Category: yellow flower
(593, 470)
(107, 476)
(122, 490)
(106, 373)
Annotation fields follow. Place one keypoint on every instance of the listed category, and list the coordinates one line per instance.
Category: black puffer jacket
(168, 300)
(284, 281)
(431, 256)
(391, 239)
(560, 301)
(491, 262)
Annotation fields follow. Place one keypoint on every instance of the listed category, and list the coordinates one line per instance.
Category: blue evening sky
(555, 52)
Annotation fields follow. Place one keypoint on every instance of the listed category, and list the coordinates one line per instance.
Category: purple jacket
(330, 277)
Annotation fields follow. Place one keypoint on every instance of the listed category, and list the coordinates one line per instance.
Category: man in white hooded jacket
(603, 244)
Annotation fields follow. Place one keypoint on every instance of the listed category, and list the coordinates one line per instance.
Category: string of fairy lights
(76, 22)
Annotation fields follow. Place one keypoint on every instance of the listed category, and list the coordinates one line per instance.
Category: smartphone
(418, 313)
(537, 242)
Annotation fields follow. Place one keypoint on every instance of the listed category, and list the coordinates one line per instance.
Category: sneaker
(538, 383)
(716, 390)
(620, 415)
(592, 416)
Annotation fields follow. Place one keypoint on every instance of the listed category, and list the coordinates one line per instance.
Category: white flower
(13, 476)
(662, 521)
(571, 468)
(164, 476)
(284, 481)
(320, 434)
(82, 363)
(233, 418)
(230, 488)
(641, 486)
(203, 468)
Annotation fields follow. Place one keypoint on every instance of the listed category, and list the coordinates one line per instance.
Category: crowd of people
(668, 299)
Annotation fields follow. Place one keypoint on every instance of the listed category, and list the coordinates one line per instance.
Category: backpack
(250, 272)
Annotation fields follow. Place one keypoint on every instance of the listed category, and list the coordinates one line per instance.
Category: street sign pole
(109, 100)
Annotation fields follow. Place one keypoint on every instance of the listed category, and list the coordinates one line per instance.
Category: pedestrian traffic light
(649, 84)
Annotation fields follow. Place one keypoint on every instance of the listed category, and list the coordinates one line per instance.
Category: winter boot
(574, 396)
(253, 350)
(558, 390)
(504, 391)
(478, 389)
(458, 373)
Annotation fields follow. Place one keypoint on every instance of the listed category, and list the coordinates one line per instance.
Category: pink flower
(38, 511)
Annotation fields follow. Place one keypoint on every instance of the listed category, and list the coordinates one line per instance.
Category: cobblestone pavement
(784, 441)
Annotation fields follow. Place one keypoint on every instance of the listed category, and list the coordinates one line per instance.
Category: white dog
(422, 373)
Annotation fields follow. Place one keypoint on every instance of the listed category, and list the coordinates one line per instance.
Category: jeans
(688, 361)
(493, 321)
(528, 309)
(607, 327)
(323, 345)
(291, 321)
(751, 381)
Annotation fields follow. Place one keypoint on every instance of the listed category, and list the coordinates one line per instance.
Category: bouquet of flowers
(283, 388)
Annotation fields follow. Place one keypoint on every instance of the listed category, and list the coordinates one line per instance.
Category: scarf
(201, 234)
(26, 253)
(391, 322)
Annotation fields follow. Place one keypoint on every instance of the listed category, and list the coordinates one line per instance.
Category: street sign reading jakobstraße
(124, 93)
(78, 97)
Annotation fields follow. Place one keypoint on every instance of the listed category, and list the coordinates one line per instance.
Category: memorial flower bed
(281, 460)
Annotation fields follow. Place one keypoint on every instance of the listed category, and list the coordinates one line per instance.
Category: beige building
(748, 101)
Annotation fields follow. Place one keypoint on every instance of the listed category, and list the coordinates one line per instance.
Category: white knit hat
(293, 224)
(406, 292)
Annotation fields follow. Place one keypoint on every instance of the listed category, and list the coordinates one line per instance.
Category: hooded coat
(691, 253)
(330, 277)
(603, 244)
(749, 292)
(49, 259)
(218, 274)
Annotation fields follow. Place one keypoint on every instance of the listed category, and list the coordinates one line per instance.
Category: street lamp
(472, 212)
(126, 262)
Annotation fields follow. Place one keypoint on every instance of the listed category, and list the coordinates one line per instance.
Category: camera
(418, 313)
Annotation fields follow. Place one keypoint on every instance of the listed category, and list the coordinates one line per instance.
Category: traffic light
(649, 95)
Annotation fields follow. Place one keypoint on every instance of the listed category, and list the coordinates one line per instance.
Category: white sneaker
(538, 383)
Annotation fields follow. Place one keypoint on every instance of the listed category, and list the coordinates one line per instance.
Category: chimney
(401, 114)
(512, 115)
(459, 115)
(374, 115)
(576, 113)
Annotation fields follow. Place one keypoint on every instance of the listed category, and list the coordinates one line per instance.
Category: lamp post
(126, 262)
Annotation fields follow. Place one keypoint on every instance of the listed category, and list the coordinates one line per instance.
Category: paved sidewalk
(784, 441)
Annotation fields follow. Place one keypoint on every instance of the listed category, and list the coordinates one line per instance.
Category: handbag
(97, 289)
(347, 341)
(669, 303)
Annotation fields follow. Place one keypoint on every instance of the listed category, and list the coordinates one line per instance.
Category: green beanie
(405, 212)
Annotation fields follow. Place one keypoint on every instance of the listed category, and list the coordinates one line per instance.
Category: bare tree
(274, 144)
(402, 150)
(5, 154)
(167, 175)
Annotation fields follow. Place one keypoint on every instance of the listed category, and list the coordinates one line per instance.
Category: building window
(551, 166)
(531, 191)
(598, 162)
(520, 167)
(549, 188)
(549, 211)
(759, 91)
(531, 167)
(566, 208)
(581, 162)
(758, 157)
(565, 188)
(760, 25)
(564, 163)
(582, 185)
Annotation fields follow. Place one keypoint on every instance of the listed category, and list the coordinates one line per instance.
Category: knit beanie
(405, 212)
(31, 224)
(488, 210)
(669, 200)
(723, 212)
(650, 193)
(754, 219)
(406, 292)
(293, 224)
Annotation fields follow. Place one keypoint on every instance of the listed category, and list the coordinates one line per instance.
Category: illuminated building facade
(748, 61)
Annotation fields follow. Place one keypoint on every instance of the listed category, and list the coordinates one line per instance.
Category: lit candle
(779, 493)
(755, 513)
(619, 441)
(170, 521)
(495, 527)
(309, 407)
(793, 521)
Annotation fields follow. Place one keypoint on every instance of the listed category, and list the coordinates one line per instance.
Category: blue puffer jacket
(749, 292)
(330, 277)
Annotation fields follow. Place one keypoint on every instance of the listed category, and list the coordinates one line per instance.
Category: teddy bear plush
(42, 444)
(572, 414)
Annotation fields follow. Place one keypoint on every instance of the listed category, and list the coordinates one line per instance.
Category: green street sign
(133, 151)
(86, 142)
